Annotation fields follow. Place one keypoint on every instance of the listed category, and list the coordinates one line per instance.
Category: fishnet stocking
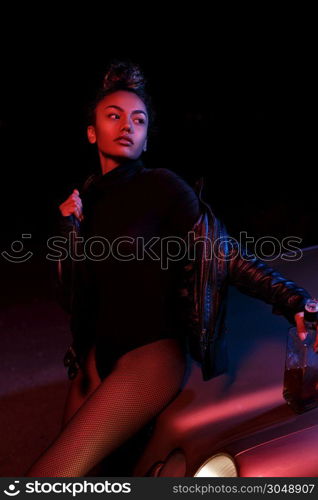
(141, 384)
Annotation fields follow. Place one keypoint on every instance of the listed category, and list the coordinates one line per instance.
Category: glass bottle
(301, 365)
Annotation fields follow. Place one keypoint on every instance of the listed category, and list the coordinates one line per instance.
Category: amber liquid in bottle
(301, 388)
(301, 368)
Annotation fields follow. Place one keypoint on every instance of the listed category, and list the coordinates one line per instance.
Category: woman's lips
(124, 142)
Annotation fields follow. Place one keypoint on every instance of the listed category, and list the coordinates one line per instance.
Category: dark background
(235, 104)
(239, 112)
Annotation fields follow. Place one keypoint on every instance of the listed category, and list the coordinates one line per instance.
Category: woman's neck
(107, 163)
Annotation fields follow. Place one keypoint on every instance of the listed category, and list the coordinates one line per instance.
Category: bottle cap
(311, 310)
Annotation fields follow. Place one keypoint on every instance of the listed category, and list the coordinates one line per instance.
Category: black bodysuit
(129, 297)
(125, 306)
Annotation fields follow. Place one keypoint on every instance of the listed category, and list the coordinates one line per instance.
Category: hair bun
(124, 74)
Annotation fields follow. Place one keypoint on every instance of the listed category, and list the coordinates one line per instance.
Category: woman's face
(121, 113)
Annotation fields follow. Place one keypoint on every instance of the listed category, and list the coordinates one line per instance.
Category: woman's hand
(73, 205)
(301, 329)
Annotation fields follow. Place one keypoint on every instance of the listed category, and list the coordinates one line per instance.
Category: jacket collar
(124, 171)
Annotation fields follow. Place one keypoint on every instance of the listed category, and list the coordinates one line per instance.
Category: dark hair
(123, 75)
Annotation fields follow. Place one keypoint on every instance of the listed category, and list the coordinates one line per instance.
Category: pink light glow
(232, 406)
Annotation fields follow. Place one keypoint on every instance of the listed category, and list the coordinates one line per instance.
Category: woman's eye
(116, 115)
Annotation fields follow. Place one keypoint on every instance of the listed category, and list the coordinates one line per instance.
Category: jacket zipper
(205, 291)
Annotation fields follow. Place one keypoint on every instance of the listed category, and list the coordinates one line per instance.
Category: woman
(126, 325)
(127, 317)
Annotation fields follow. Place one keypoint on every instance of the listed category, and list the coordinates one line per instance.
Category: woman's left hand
(301, 329)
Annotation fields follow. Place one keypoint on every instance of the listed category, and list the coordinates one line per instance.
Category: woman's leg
(143, 382)
(86, 381)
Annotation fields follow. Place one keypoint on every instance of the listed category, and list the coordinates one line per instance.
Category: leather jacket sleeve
(74, 294)
(255, 278)
(67, 227)
(73, 288)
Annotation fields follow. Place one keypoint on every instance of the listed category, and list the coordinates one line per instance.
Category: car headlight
(220, 465)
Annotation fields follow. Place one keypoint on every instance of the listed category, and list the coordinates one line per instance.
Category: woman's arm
(73, 281)
(255, 278)
(67, 227)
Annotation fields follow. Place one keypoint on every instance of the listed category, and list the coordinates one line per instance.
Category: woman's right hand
(72, 205)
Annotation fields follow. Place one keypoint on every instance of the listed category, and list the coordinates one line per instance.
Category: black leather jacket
(206, 282)
(204, 289)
